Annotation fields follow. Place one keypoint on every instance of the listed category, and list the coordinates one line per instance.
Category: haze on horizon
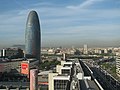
(63, 22)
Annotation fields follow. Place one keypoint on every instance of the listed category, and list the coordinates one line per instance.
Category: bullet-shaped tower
(33, 36)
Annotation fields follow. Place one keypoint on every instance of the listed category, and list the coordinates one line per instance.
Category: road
(107, 82)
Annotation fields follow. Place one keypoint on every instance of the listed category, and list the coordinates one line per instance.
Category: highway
(92, 84)
(105, 79)
(101, 78)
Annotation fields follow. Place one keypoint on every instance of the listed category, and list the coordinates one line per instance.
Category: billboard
(25, 68)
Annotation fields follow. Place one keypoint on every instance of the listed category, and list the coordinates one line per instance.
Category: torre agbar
(33, 36)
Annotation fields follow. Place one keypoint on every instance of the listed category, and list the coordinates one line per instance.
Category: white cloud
(42, 4)
(58, 21)
(85, 4)
(86, 29)
(54, 18)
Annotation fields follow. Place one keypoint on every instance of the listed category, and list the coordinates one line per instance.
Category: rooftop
(44, 72)
(62, 77)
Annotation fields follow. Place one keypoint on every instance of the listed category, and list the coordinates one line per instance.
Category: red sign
(24, 68)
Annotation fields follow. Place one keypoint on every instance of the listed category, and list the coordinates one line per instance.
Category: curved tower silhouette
(33, 36)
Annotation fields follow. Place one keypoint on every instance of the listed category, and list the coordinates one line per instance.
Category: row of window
(60, 84)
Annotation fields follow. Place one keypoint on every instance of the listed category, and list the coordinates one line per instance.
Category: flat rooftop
(66, 68)
(44, 72)
(62, 77)
(68, 63)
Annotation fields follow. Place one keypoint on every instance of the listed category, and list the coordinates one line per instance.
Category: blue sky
(63, 22)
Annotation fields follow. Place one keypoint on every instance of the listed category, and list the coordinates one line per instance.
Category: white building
(85, 49)
(118, 66)
(51, 80)
(105, 51)
(61, 82)
(64, 72)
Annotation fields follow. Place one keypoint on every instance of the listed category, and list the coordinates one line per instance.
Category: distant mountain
(19, 46)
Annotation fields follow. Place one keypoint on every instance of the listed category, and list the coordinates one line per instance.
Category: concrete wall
(51, 81)
(58, 68)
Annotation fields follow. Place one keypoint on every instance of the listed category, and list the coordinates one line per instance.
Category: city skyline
(63, 23)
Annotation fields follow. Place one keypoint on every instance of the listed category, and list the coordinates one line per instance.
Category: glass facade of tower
(32, 36)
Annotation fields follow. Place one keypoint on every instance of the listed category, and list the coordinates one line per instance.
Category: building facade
(32, 36)
(33, 79)
(61, 82)
(85, 49)
(118, 66)
(12, 53)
